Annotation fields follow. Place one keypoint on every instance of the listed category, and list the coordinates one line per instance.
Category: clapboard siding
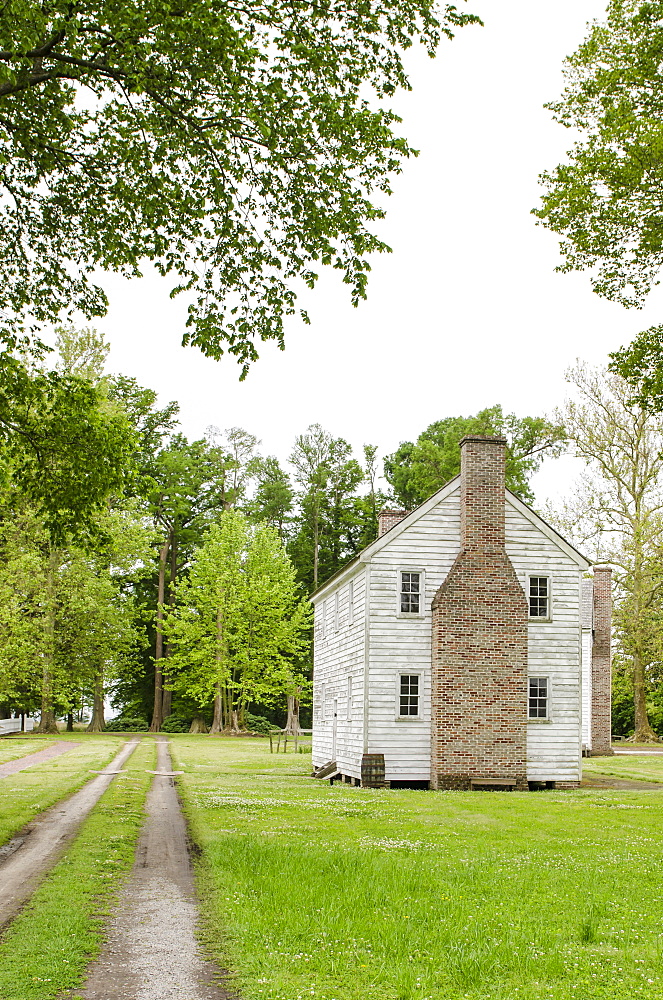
(553, 746)
(403, 645)
(339, 655)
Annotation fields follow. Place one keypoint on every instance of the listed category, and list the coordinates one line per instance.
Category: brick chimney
(388, 519)
(479, 647)
(482, 475)
(601, 664)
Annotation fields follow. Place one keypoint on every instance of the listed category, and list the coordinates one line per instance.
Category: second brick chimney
(388, 519)
(479, 661)
(601, 744)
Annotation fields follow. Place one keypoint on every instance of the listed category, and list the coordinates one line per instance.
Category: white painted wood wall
(338, 659)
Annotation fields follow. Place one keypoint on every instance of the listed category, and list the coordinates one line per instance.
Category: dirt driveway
(151, 952)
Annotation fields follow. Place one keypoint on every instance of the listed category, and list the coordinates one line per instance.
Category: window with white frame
(410, 597)
(408, 695)
(539, 597)
(538, 698)
(336, 611)
(351, 602)
(348, 713)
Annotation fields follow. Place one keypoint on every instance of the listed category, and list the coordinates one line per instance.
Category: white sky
(466, 312)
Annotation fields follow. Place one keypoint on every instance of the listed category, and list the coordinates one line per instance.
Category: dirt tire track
(41, 843)
(151, 951)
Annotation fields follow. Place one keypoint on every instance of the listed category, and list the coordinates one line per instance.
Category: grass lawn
(26, 793)
(643, 768)
(336, 893)
(48, 946)
(12, 747)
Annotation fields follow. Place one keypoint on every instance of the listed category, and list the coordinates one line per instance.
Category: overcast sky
(466, 312)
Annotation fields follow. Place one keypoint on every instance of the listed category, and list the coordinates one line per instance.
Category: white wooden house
(465, 646)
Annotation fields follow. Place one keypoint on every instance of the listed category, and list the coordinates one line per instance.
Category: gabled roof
(367, 554)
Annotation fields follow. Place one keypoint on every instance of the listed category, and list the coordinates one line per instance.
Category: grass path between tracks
(27, 793)
(47, 948)
(337, 893)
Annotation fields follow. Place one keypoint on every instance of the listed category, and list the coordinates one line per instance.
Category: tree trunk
(167, 703)
(643, 730)
(70, 722)
(316, 548)
(47, 723)
(97, 722)
(198, 725)
(234, 721)
(157, 714)
(217, 721)
(292, 723)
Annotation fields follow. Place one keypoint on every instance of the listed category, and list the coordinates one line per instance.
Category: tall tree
(416, 470)
(240, 626)
(607, 201)
(235, 450)
(618, 510)
(67, 620)
(272, 501)
(234, 146)
(328, 477)
(192, 481)
(68, 448)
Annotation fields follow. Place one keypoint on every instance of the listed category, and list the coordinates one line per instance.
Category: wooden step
(509, 783)
(326, 769)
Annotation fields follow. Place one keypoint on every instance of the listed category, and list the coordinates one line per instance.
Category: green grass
(642, 768)
(27, 793)
(49, 945)
(339, 893)
(12, 747)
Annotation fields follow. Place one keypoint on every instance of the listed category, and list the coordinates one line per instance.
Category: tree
(416, 470)
(67, 620)
(65, 450)
(607, 201)
(236, 448)
(272, 501)
(114, 634)
(23, 632)
(240, 625)
(234, 147)
(328, 476)
(68, 448)
(189, 483)
(618, 510)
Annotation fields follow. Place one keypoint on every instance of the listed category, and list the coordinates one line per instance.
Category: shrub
(126, 725)
(259, 724)
(175, 724)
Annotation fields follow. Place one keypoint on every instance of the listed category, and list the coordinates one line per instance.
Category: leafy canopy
(607, 200)
(240, 621)
(417, 470)
(63, 445)
(236, 147)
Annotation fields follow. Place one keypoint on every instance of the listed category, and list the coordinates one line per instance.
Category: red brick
(479, 668)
